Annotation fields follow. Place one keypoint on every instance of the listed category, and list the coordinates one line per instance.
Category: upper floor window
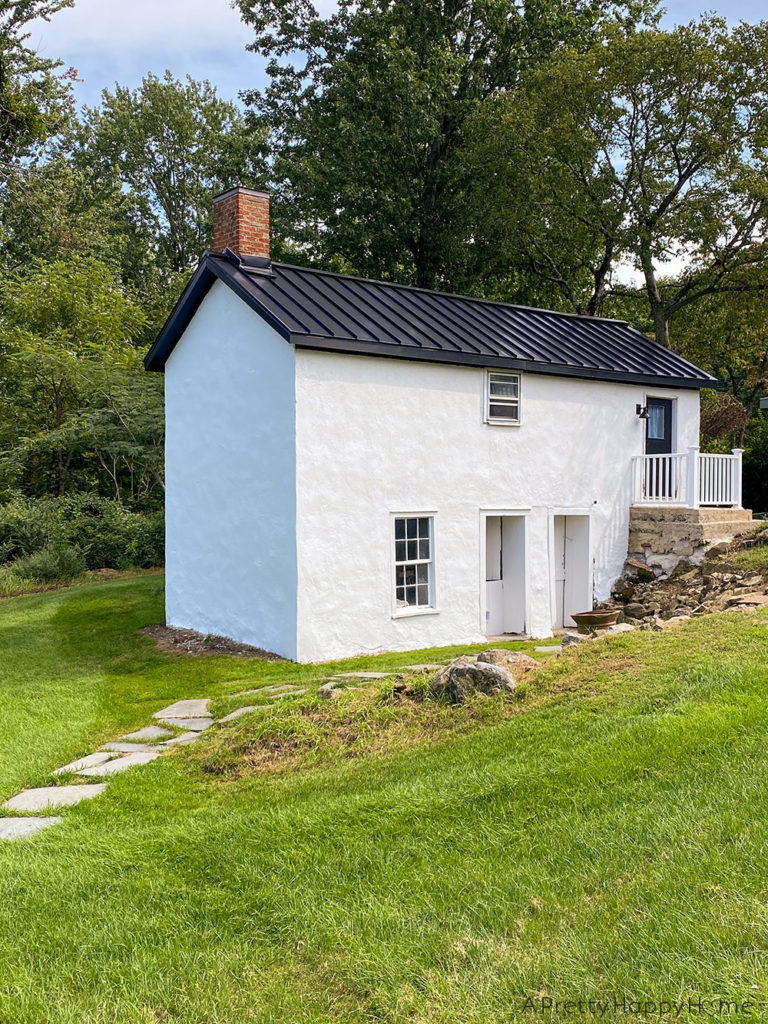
(502, 397)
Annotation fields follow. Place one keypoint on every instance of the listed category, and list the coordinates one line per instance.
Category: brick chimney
(241, 222)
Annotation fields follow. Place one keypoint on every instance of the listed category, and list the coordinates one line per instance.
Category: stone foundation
(668, 534)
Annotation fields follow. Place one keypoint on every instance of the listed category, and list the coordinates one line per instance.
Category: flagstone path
(187, 719)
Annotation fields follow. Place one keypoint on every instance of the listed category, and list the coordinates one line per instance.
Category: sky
(110, 41)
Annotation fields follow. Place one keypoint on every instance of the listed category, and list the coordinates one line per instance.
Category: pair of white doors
(505, 572)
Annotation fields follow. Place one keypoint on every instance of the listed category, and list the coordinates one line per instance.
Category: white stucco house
(355, 466)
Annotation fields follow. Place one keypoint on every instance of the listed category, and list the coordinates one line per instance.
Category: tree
(649, 148)
(367, 111)
(173, 146)
(76, 406)
(34, 96)
(727, 334)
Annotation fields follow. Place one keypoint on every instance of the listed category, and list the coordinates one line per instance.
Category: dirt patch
(358, 723)
(171, 640)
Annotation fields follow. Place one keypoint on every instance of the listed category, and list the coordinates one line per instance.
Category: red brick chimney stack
(241, 222)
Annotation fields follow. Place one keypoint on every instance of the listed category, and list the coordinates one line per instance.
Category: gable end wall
(231, 478)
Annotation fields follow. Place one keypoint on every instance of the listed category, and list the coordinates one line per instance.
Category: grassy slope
(611, 837)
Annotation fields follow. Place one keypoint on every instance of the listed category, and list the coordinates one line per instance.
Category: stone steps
(668, 534)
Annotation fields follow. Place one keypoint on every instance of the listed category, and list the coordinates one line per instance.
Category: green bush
(107, 535)
(53, 563)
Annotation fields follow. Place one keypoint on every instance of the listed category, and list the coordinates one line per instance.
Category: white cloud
(110, 41)
(148, 25)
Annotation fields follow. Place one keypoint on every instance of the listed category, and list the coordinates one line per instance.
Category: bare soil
(186, 641)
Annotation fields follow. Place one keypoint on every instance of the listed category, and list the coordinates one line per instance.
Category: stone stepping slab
(285, 690)
(119, 764)
(89, 761)
(185, 709)
(149, 732)
(549, 649)
(53, 796)
(239, 712)
(421, 668)
(189, 724)
(130, 748)
(365, 675)
(182, 740)
(21, 828)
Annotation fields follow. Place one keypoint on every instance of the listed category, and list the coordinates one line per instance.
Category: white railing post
(693, 476)
(736, 496)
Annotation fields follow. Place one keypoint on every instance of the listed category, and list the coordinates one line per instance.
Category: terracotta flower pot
(600, 619)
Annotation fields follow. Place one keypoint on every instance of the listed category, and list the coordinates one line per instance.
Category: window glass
(656, 422)
(414, 565)
(503, 397)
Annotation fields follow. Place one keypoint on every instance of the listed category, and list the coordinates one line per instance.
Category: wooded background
(570, 154)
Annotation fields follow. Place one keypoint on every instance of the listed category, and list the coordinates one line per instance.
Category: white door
(572, 568)
(560, 572)
(504, 575)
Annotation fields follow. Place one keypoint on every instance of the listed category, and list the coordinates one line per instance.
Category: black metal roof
(341, 313)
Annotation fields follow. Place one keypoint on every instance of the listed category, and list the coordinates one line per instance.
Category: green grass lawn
(604, 834)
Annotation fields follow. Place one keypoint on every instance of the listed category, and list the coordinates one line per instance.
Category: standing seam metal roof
(318, 309)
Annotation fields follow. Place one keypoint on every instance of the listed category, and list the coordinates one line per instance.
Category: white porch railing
(689, 478)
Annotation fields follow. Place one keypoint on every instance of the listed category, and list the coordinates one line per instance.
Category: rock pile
(665, 600)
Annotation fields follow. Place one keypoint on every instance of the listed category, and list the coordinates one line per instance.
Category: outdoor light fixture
(642, 411)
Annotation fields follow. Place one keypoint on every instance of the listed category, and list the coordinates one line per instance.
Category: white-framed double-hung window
(502, 398)
(414, 541)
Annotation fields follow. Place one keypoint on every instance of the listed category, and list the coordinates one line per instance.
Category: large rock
(515, 662)
(623, 589)
(634, 610)
(569, 639)
(465, 677)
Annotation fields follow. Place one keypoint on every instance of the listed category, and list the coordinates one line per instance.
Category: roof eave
(355, 346)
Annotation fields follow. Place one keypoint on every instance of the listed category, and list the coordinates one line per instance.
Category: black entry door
(658, 427)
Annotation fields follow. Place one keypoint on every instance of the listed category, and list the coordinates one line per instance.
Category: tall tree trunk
(655, 300)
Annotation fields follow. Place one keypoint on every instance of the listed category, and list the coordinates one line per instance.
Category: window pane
(504, 386)
(399, 529)
(410, 575)
(656, 422)
(503, 412)
(400, 576)
(423, 595)
(399, 550)
(400, 595)
(423, 549)
(413, 549)
(422, 573)
(411, 526)
(410, 595)
(424, 529)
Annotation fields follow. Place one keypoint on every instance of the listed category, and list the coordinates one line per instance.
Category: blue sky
(111, 40)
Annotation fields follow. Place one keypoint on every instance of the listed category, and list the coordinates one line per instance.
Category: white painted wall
(230, 472)
(376, 436)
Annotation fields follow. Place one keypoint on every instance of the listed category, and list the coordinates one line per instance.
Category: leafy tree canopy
(34, 95)
(647, 148)
(172, 146)
(367, 111)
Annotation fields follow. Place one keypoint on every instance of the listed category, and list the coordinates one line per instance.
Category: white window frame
(431, 608)
(499, 421)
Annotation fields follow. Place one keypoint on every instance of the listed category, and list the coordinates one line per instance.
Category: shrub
(53, 563)
(108, 535)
